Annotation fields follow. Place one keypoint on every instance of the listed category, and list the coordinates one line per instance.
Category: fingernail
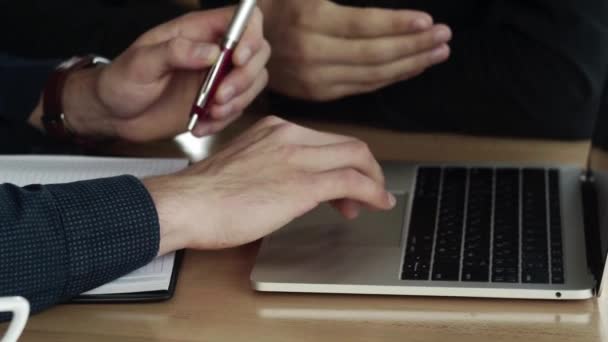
(392, 200)
(442, 35)
(206, 51)
(226, 94)
(243, 56)
(421, 24)
(439, 54)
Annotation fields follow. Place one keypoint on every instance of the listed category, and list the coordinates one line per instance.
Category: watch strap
(53, 116)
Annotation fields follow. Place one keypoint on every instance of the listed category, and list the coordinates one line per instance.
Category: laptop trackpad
(325, 227)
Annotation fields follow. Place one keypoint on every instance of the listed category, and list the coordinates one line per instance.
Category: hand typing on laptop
(273, 173)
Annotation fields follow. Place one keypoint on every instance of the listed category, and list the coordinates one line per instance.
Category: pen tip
(193, 122)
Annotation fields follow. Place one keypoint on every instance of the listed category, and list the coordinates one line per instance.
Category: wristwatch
(53, 117)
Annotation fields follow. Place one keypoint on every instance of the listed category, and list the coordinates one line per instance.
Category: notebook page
(152, 277)
(25, 170)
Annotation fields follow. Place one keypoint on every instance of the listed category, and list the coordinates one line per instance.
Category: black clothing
(534, 68)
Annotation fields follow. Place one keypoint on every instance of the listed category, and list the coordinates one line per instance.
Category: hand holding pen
(147, 92)
(213, 91)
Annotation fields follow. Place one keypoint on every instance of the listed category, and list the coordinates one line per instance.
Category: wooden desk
(214, 301)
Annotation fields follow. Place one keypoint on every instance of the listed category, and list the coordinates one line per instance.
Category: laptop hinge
(591, 223)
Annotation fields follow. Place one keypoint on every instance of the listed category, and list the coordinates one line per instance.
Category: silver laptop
(503, 231)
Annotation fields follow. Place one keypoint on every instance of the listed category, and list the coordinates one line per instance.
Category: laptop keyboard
(485, 225)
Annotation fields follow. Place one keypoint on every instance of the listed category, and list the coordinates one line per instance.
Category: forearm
(58, 241)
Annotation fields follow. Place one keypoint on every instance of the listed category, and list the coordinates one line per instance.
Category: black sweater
(518, 67)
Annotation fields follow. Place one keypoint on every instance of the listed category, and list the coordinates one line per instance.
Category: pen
(222, 66)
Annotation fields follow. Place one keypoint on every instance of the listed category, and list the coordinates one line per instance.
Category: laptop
(468, 230)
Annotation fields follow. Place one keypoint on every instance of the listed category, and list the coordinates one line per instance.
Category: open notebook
(154, 281)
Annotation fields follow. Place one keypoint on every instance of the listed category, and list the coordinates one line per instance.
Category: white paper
(26, 170)
(154, 276)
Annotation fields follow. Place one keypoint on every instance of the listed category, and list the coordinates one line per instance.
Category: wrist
(84, 112)
(173, 234)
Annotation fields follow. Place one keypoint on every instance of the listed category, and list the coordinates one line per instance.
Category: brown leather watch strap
(53, 117)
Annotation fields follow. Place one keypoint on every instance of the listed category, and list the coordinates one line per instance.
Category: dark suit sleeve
(217, 3)
(57, 241)
(21, 84)
(518, 67)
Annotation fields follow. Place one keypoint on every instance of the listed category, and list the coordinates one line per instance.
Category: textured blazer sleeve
(57, 241)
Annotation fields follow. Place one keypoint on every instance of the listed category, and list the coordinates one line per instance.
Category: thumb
(372, 22)
(149, 63)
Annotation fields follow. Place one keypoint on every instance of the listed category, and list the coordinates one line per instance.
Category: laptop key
(416, 270)
(475, 275)
(445, 272)
(536, 276)
(557, 279)
(506, 225)
(422, 225)
(446, 264)
(555, 226)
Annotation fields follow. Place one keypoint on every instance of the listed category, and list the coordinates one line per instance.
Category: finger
(348, 208)
(207, 26)
(241, 102)
(350, 184)
(353, 154)
(356, 22)
(225, 115)
(252, 40)
(387, 72)
(147, 64)
(380, 50)
(243, 78)
(211, 127)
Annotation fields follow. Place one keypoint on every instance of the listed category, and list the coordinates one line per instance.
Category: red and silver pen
(222, 67)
